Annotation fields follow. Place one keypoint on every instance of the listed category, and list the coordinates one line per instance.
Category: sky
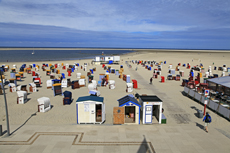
(176, 24)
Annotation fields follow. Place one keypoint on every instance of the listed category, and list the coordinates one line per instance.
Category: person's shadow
(200, 126)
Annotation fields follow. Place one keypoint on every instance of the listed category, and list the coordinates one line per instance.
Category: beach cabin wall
(116, 58)
(108, 58)
(90, 109)
(97, 59)
(151, 106)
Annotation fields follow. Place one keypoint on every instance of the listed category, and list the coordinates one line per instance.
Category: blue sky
(189, 24)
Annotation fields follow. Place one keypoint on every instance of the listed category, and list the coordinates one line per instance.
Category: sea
(55, 55)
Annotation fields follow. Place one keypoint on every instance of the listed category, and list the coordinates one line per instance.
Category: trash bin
(200, 114)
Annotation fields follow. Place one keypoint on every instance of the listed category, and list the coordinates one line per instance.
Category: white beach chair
(44, 104)
(12, 87)
(49, 84)
(111, 84)
(78, 75)
(64, 83)
(82, 82)
(22, 97)
(129, 87)
(32, 87)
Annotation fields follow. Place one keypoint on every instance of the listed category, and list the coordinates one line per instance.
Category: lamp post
(7, 118)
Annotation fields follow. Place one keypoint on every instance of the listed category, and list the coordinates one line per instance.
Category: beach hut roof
(151, 98)
(90, 98)
(224, 81)
(127, 100)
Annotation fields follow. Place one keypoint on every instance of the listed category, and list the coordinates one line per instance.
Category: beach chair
(111, 84)
(75, 84)
(129, 87)
(78, 75)
(82, 82)
(64, 83)
(67, 98)
(22, 97)
(32, 87)
(43, 104)
(63, 75)
(49, 84)
(37, 81)
(12, 87)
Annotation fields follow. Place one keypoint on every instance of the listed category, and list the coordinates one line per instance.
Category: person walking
(151, 80)
(207, 119)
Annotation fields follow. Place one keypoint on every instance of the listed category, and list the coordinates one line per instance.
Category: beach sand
(174, 102)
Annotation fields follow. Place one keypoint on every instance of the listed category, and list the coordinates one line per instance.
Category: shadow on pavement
(24, 123)
(200, 126)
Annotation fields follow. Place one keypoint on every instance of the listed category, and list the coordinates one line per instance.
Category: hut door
(118, 115)
(148, 113)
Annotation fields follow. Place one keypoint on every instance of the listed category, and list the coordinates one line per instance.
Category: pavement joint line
(223, 132)
(36, 135)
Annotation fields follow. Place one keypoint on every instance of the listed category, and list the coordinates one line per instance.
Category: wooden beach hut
(128, 111)
(151, 109)
(90, 109)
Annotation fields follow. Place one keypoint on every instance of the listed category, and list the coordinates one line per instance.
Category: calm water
(57, 55)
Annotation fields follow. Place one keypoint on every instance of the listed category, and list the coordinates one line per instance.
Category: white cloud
(126, 16)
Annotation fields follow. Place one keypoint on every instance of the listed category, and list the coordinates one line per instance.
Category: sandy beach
(60, 114)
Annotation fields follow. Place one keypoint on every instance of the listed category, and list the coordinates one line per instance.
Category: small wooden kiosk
(127, 112)
(90, 109)
(151, 108)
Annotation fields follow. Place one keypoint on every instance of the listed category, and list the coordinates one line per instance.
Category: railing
(217, 106)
